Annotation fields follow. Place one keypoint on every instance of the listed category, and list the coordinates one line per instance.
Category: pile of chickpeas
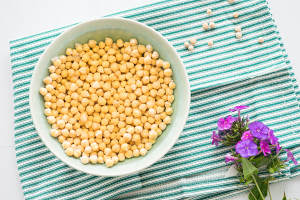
(108, 101)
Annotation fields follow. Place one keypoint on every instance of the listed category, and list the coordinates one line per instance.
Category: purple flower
(247, 118)
(230, 158)
(272, 138)
(238, 108)
(230, 119)
(290, 156)
(247, 135)
(259, 130)
(278, 148)
(246, 148)
(225, 123)
(215, 138)
(265, 148)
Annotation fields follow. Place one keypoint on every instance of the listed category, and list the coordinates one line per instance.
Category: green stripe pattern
(233, 72)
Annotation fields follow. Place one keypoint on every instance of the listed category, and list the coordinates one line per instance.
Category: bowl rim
(184, 78)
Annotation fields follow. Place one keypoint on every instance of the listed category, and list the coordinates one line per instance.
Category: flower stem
(269, 191)
(253, 195)
(270, 194)
(261, 195)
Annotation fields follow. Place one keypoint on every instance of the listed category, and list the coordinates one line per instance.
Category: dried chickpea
(108, 101)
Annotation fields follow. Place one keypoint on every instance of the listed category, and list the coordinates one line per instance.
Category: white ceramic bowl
(98, 30)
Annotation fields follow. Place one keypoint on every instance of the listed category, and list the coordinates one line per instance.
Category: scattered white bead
(236, 15)
(210, 43)
(261, 40)
(208, 11)
(190, 48)
(212, 25)
(238, 35)
(205, 26)
(186, 44)
(238, 29)
(193, 41)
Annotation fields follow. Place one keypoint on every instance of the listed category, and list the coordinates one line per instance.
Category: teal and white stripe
(232, 72)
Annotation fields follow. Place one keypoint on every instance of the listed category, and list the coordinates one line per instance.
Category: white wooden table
(21, 18)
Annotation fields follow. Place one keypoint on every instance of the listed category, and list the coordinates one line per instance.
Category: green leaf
(248, 168)
(263, 184)
(248, 182)
(284, 197)
(275, 164)
(260, 160)
(271, 170)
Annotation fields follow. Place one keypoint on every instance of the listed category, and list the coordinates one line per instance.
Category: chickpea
(108, 101)
(205, 26)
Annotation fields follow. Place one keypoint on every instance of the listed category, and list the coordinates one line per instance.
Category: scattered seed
(193, 41)
(238, 35)
(238, 29)
(236, 15)
(231, 1)
(205, 26)
(210, 43)
(208, 11)
(261, 40)
(186, 44)
(191, 47)
(212, 25)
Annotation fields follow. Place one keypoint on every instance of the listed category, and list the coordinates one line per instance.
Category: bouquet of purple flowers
(255, 149)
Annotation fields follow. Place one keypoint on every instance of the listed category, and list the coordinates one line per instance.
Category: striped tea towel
(232, 72)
